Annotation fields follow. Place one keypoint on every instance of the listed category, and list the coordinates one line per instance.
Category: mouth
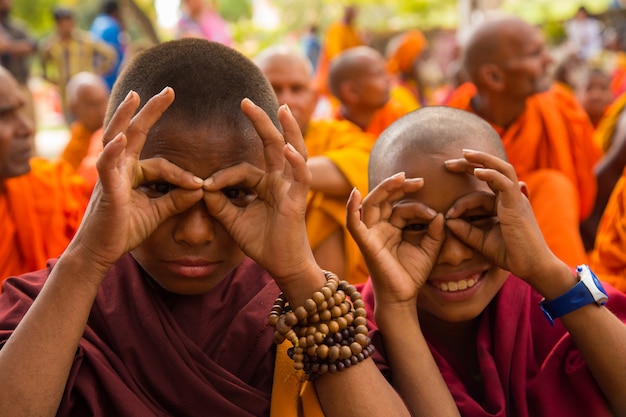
(192, 268)
(458, 284)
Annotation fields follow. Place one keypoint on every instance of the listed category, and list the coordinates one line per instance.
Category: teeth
(453, 286)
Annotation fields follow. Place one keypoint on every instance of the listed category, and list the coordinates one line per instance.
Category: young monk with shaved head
(338, 152)
(546, 133)
(159, 305)
(359, 79)
(463, 281)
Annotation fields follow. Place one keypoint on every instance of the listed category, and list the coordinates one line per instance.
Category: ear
(492, 76)
(523, 188)
(349, 92)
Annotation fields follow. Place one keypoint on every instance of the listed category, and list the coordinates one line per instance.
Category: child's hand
(271, 227)
(515, 243)
(120, 215)
(398, 268)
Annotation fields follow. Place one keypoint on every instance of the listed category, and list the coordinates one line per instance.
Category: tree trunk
(130, 10)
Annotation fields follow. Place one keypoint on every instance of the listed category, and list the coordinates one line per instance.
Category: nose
(453, 251)
(195, 227)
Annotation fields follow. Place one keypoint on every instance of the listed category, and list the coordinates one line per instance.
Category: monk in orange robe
(87, 96)
(403, 53)
(546, 133)
(338, 154)
(609, 255)
(359, 79)
(41, 203)
(339, 36)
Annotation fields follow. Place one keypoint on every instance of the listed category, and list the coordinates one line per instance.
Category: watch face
(597, 282)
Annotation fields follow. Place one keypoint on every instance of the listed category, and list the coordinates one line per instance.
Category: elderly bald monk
(545, 131)
(338, 154)
(41, 203)
(87, 95)
(359, 79)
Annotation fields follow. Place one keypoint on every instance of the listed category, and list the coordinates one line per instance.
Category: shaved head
(350, 64)
(280, 55)
(429, 131)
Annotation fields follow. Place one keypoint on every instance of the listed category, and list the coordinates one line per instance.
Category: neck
(360, 117)
(500, 111)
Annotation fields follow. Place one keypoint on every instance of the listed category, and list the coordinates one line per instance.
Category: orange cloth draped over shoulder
(292, 396)
(78, 145)
(402, 61)
(406, 94)
(39, 213)
(339, 37)
(87, 168)
(608, 258)
(348, 148)
(603, 135)
(553, 135)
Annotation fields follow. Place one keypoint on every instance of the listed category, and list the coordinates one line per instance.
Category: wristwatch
(588, 290)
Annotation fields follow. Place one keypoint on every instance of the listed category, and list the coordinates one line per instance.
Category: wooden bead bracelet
(328, 332)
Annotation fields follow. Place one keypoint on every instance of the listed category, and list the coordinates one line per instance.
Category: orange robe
(608, 258)
(339, 37)
(603, 135)
(39, 213)
(87, 168)
(402, 62)
(549, 141)
(78, 145)
(349, 148)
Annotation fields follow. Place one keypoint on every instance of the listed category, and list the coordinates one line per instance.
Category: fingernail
(415, 179)
(469, 151)
(399, 174)
(431, 212)
(480, 170)
(286, 107)
(291, 148)
(128, 96)
(164, 91)
(198, 180)
(208, 182)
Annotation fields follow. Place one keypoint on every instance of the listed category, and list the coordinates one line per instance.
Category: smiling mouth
(460, 285)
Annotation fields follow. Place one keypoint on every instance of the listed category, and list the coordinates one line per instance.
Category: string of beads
(328, 332)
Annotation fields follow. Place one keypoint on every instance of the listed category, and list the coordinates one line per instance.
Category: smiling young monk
(159, 305)
(458, 269)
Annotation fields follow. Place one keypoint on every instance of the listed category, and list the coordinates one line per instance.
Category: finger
(160, 169)
(291, 130)
(492, 162)
(176, 201)
(508, 191)
(243, 174)
(108, 160)
(472, 236)
(408, 212)
(143, 121)
(357, 229)
(300, 171)
(121, 118)
(435, 235)
(273, 140)
(484, 201)
(461, 165)
(378, 205)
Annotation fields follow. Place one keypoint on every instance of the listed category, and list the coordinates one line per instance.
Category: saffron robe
(608, 258)
(603, 135)
(348, 148)
(527, 367)
(39, 213)
(78, 145)
(148, 352)
(553, 135)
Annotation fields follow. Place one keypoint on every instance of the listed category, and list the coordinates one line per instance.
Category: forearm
(36, 359)
(360, 390)
(416, 375)
(327, 178)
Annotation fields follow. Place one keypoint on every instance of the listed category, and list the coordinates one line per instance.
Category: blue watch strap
(577, 297)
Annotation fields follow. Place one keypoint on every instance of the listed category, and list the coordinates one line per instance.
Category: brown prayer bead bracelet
(328, 332)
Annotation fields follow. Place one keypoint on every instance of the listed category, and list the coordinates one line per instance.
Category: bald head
(430, 130)
(281, 55)
(350, 65)
(88, 95)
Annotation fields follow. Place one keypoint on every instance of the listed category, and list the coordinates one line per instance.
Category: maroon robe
(148, 352)
(528, 368)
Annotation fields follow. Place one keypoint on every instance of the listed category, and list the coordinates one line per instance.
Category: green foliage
(233, 10)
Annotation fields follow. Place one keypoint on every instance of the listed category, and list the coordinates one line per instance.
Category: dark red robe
(147, 352)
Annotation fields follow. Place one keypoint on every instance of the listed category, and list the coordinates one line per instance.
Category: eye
(239, 196)
(157, 189)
